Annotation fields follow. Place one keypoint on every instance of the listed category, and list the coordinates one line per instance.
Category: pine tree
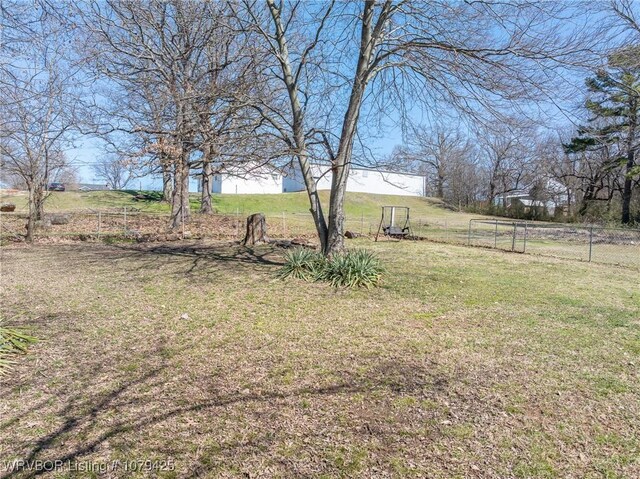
(614, 104)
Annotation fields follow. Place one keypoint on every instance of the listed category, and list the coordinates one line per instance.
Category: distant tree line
(590, 173)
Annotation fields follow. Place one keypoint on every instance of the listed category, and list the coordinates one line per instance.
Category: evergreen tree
(614, 104)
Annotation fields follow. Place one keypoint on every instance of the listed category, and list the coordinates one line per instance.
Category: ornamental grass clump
(357, 268)
(302, 263)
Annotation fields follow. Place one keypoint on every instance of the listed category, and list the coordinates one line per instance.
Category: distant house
(361, 180)
(551, 197)
(519, 197)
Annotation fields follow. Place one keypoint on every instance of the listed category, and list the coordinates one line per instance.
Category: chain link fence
(597, 244)
(585, 243)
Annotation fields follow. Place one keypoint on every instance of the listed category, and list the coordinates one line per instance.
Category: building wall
(292, 180)
(232, 185)
(152, 182)
(374, 181)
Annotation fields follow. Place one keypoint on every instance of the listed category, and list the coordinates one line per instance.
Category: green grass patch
(462, 363)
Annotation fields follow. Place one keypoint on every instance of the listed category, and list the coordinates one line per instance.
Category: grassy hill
(358, 205)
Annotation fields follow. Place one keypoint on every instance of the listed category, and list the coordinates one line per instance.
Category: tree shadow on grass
(202, 257)
(80, 413)
(191, 258)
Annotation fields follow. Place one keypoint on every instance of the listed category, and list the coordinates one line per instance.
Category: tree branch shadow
(205, 258)
(390, 376)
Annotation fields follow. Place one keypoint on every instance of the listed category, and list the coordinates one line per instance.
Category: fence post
(284, 224)
(495, 236)
(590, 242)
(524, 246)
(513, 240)
(99, 222)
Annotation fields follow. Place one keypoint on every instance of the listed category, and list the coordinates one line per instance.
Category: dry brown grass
(466, 363)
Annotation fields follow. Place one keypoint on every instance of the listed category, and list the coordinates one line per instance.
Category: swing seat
(394, 222)
(395, 231)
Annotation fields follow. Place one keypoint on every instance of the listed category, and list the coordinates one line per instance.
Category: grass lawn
(465, 363)
(357, 204)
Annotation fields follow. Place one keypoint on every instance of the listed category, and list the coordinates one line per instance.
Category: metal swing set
(395, 222)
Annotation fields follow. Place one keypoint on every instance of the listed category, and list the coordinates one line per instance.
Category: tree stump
(256, 230)
(57, 219)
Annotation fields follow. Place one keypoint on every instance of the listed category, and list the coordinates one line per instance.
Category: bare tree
(168, 66)
(466, 183)
(471, 55)
(68, 176)
(38, 105)
(116, 171)
(626, 17)
(433, 152)
(505, 158)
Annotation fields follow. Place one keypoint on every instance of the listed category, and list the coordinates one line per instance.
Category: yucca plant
(350, 269)
(13, 341)
(302, 263)
(355, 268)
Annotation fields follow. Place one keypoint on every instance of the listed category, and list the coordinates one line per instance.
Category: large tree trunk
(335, 239)
(180, 198)
(31, 220)
(206, 206)
(627, 189)
(167, 182)
(36, 207)
(314, 199)
(587, 197)
(440, 186)
(38, 200)
(342, 162)
(298, 129)
(492, 193)
(256, 230)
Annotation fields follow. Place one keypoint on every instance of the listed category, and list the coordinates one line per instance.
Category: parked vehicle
(56, 187)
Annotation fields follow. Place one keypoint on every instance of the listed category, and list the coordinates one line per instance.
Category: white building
(361, 180)
(268, 179)
(258, 179)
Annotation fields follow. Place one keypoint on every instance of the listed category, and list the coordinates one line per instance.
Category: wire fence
(121, 224)
(586, 243)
